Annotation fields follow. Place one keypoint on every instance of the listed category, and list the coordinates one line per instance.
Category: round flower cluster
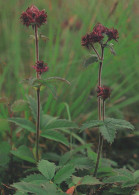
(97, 35)
(41, 67)
(103, 92)
(33, 16)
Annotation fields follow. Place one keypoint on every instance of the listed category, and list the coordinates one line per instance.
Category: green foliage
(90, 60)
(4, 154)
(55, 136)
(4, 125)
(64, 173)
(91, 124)
(108, 130)
(19, 106)
(47, 169)
(24, 123)
(24, 153)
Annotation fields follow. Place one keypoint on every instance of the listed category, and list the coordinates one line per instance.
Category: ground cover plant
(50, 129)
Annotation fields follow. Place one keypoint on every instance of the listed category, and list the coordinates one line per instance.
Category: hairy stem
(38, 96)
(100, 145)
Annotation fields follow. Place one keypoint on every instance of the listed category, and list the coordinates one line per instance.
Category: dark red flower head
(99, 28)
(103, 92)
(41, 67)
(33, 16)
(86, 40)
(112, 34)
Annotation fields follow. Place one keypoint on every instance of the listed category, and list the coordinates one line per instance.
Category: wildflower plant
(35, 18)
(102, 36)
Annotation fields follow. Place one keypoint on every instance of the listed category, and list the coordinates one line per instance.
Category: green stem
(100, 145)
(38, 96)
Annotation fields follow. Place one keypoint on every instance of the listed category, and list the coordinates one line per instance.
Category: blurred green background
(68, 21)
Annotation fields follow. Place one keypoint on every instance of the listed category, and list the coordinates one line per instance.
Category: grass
(67, 23)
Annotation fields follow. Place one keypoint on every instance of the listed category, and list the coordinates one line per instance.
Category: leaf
(33, 106)
(116, 179)
(136, 174)
(4, 125)
(108, 130)
(34, 177)
(86, 180)
(64, 173)
(46, 119)
(130, 183)
(81, 162)
(47, 169)
(61, 123)
(48, 189)
(52, 89)
(50, 79)
(24, 123)
(56, 136)
(89, 180)
(4, 153)
(24, 153)
(90, 60)
(19, 106)
(91, 124)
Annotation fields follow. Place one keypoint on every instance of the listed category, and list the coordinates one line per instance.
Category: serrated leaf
(108, 130)
(34, 177)
(51, 79)
(89, 180)
(64, 173)
(90, 60)
(86, 180)
(81, 162)
(91, 124)
(129, 183)
(48, 189)
(47, 169)
(61, 123)
(136, 174)
(116, 179)
(24, 123)
(19, 106)
(24, 153)
(56, 136)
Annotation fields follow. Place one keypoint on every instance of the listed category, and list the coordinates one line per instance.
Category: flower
(41, 67)
(103, 92)
(33, 16)
(86, 40)
(99, 28)
(112, 34)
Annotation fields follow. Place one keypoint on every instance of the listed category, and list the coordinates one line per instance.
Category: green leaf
(24, 153)
(108, 130)
(48, 189)
(56, 136)
(24, 123)
(64, 173)
(52, 89)
(19, 106)
(34, 177)
(86, 180)
(91, 124)
(46, 119)
(129, 183)
(33, 106)
(89, 180)
(136, 174)
(90, 60)
(114, 179)
(81, 162)
(47, 169)
(4, 154)
(61, 123)
(51, 79)
(4, 125)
